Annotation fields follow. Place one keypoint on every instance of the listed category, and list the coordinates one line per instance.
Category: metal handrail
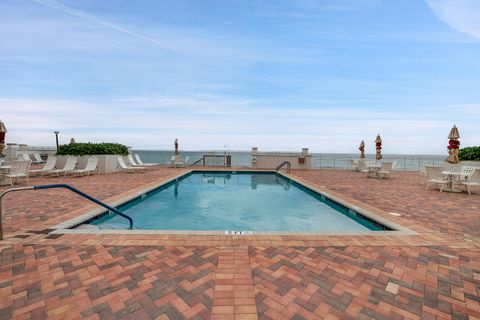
(283, 164)
(201, 159)
(65, 186)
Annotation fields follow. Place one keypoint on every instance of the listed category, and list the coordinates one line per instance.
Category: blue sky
(279, 75)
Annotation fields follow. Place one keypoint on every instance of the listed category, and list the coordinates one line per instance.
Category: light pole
(56, 137)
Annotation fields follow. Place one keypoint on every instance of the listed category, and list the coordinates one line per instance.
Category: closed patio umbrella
(378, 147)
(453, 145)
(362, 150)
(3, 131)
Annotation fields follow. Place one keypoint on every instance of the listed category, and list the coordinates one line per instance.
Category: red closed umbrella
(362, 150)
(3, 131)
(453, 145)
(378, 147)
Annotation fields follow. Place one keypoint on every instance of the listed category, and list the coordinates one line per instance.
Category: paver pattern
(432, 275)
(106, 282)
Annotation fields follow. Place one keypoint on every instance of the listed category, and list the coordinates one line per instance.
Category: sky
(277, 75)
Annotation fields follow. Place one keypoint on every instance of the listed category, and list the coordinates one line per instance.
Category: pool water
(235, 201)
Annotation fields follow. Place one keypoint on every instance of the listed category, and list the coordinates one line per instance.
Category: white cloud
(210, 122)
(461, 15)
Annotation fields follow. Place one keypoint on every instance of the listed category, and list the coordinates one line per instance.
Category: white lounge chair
(473, 181)
(49, 166)
(38, 159)
(434, 176)
(126, 168)
(91, 167)
(18, 169)
(140, 162)
(132, 162)
(69, 167)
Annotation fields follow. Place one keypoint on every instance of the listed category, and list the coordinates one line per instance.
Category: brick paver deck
(432, 275)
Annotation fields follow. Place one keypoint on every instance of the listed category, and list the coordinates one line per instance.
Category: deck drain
(243, 233)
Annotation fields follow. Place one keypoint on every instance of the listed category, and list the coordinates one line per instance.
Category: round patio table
(451, 177)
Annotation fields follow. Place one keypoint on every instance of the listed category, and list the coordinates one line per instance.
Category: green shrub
(469, 154)
(86, 149)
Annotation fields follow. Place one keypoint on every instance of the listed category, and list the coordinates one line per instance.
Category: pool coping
(65, 227)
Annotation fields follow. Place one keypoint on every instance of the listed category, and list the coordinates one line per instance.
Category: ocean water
(235, 202)
(319, 160)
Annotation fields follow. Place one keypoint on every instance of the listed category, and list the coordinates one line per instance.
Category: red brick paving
(433, 275)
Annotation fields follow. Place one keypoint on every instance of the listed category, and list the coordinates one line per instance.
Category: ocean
(319, 160)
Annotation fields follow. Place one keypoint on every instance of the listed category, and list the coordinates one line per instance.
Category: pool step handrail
(201, 159)
(65, 186)
(284, 163)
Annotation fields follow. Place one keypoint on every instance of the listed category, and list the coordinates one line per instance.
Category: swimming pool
(237, 201)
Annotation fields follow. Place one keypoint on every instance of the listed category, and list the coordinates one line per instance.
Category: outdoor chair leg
(468, 189)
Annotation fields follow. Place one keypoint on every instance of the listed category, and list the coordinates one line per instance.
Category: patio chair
(385, 170)
(364, 167)
(132, 162)
(128, 169)
(38, 159)
(140, 162)
(24, 156)
(472, 181)
(19, 169)
(354, 165)
(466, 172)
(49, 166)
(91, 167)
(69, 167)
(434, 176)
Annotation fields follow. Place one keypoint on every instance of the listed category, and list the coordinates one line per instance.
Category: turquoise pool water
(235, 201)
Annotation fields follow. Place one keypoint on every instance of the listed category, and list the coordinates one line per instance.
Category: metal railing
(284, 163)
(214, 160)
(403, 163)
(65, 186)
(242, 159)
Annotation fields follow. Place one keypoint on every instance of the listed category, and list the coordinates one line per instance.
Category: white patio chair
(91, 167)
(38, 159)
(69, 167)
(434, 176)
(129, 169)
(140, 162)
(354, 166)
(49, 166)
(466, 172)
(385, 170)
(365, 168)
(24, 156)
(472, 181)
(18, 169)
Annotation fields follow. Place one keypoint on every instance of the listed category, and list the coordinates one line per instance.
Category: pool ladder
(65, 186)
(284, 163)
